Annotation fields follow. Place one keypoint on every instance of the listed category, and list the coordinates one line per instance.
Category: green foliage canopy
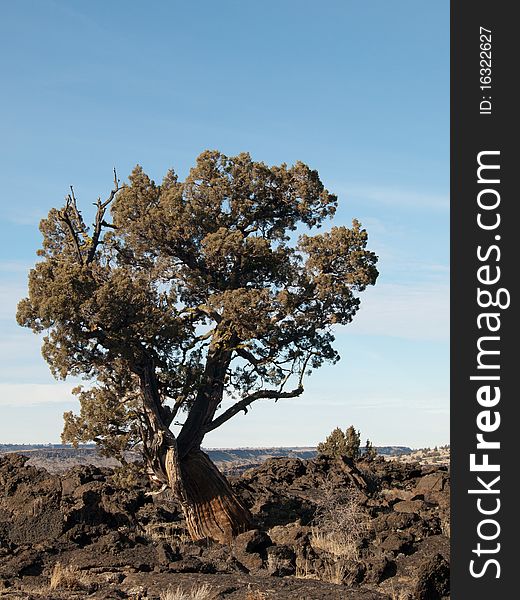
(190, 290)
(339, 443)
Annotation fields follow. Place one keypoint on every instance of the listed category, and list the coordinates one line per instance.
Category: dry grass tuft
(69, 577)
(171, 533)
(339, 544)
(335, 572)
(446, 524)
(304, 570)
(203, 592)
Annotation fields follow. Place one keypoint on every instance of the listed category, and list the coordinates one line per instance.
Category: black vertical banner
(485, 435)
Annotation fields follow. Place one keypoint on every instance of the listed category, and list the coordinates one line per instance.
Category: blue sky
(357, 90)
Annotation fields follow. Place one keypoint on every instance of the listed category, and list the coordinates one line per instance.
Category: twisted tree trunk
(210, 507)
(208, 503)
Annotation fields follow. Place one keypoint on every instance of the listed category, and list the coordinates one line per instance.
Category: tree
(347, 443)
(186, 293)
(370, 452)
(353, 442)
(335, 444)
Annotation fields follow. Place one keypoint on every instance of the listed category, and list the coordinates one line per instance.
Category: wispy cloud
(21, 214)
(20, 358)
(27, 394)
(371, 400)
(10, 294)
(20, 355)
(15, 266)
(399, 265)
(416, 312)
(393, 196)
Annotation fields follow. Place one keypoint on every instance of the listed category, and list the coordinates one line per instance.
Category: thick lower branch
(245, 402)
(160, 445)
(207, 400)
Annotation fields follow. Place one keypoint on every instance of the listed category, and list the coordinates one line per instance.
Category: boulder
(288, 534)
(409, 506)
(379, 569)
(394, 521)
(433, 482)
(249, 549)
(398, 543)
(281, 561)
(30, 505)
(433, 579)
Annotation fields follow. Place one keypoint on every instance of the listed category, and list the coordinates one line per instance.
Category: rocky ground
(425, 456)
(324, 529)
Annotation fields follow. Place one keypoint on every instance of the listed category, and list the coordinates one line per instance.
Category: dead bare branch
(100, 222)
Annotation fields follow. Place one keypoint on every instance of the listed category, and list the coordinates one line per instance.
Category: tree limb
(261, 394)
(100, 219)
(247, 400)
(91, 243)
(65, 218)
(249, 356)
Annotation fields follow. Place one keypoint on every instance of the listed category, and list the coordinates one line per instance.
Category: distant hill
(60, 457)
(237, 460)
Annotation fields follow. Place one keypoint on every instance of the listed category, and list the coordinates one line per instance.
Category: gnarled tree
(188, 293)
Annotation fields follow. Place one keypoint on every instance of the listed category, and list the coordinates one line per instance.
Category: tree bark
(210, 507)
(208, 503)
(207, 400)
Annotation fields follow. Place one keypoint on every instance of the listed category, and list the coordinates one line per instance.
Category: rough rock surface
(80, 535)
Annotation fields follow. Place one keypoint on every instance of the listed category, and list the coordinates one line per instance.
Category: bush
(370, 452)
(353, 441)
(341, 522)
(340, 443)
(334, 445)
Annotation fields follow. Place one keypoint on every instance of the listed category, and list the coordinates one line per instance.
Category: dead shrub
(399, 594)
(341, 523)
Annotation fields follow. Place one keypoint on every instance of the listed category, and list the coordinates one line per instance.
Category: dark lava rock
(30, 504)
(379, 569)
(130, 543)
(191, 564)
(253, 541)
(166, 554)
(433, 482)
(394, 521)
(433, 579)
(409, 506)
(285, 490)
(289, 534)
(249, 548)
(398, 543)
(281, 561)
